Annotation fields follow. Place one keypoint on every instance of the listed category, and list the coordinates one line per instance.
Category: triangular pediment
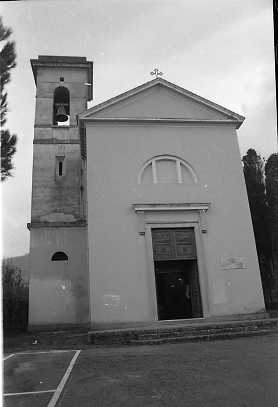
(160, 99)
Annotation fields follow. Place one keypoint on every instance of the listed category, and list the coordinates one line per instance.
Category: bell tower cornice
(68, 62)
(64, 85)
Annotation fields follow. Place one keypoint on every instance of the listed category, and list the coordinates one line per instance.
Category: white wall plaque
(232, 263)
(111, 300)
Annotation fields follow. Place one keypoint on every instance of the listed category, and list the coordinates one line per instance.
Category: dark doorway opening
(176, 274)
(177, 288)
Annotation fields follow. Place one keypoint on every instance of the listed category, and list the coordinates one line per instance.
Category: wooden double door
(176, 274)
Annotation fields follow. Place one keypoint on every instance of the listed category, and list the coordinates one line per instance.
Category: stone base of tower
(58, 288)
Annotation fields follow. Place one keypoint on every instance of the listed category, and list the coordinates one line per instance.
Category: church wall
(46, 89)
(56, 134)
(58, 289)
(171, 104)
(72, 75)
(121, 276)
(48, 80)
(52, 195)
(44, 110)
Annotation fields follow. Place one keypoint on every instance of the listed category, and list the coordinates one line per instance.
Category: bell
(61, 115)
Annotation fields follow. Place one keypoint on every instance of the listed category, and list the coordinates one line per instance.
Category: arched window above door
(167, 169)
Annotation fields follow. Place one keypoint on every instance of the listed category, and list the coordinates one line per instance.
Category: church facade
(139, 206)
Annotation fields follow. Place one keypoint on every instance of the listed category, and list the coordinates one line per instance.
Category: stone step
(186, 332)
(207, 330)
(200, 337)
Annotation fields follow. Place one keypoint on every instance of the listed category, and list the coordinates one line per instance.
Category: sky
(220, 49)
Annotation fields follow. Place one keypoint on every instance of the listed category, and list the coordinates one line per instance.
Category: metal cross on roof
(156, 72)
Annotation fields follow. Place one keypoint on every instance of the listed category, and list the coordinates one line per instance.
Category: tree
(271, 175)
(7, 62)
(15, 298)
(253, 168)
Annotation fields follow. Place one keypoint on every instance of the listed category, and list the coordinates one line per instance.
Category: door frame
(203, 279)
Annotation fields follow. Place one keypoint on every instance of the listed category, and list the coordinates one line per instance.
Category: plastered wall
(164, 102)
(120, 271)
(48, 79)
(59, 292)
(56, 198)
(58, 289)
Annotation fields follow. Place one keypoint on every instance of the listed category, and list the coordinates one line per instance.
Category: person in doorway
(188, 305)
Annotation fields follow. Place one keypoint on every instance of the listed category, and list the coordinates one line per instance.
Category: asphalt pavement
(223, 373)
(227, 373)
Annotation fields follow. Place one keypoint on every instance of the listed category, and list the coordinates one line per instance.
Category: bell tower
(58, 229)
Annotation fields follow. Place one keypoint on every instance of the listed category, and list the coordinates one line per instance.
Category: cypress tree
(7, 62)
(253, 168)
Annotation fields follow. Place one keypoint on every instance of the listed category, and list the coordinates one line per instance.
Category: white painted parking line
(62, 383)
(29, 392)
(45, 351)
(9, 356)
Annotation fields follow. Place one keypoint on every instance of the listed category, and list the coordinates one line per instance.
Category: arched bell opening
(59, 256)
(61, 106)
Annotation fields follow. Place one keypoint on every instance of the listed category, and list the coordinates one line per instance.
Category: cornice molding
(171, 207)
(54, 141)
(68, 62)
(200, 208)
(49, 126)
(136, 120)
(38, 225)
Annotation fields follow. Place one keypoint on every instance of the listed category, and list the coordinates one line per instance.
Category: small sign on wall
(233, 263)
(112, 300)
